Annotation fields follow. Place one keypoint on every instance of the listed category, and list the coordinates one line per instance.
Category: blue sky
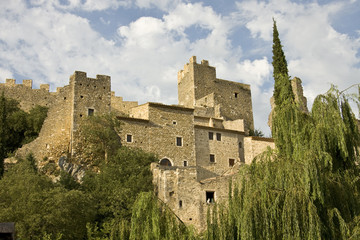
(142, 44)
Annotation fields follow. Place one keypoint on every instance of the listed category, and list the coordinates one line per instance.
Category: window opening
(180, 204)
(128, 138)
(185, 163)
(211, 135)
(231, 162)
(212, 158)
(218, 136)
(179, 141)
(165, 162)
(174, 122)
(210, 197)
(236, 95)
(90, 111)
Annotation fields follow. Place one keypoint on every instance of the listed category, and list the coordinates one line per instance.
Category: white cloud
(315, 51)
(164, 5)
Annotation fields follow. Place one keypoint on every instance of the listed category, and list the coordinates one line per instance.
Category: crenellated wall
(26, 95)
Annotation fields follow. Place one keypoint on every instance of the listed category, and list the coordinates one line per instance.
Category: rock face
(300, 99)
(76, 171)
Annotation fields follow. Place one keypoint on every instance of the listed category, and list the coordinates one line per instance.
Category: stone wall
(199, 87)
(119, 106)
(26, 96)
(90, 96)
(159, 132)
(54, 137)
(229, 146)
(255, 146)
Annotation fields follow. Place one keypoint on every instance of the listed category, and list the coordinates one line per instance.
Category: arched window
(165, 162)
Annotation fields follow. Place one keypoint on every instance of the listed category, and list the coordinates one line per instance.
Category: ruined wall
(119, 106)
(230, 146)
(26, 96)
(255, 146)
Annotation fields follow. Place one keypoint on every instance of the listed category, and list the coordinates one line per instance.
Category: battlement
(25, 83)
(187, 66)
(79, 75)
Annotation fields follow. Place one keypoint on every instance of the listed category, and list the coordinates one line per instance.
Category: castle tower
(90, 96)
(198, 87)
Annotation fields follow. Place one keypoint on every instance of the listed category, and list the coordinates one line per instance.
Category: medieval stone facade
(201, 142)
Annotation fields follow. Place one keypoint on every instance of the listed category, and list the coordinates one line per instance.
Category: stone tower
(89, 96)
(198, 87)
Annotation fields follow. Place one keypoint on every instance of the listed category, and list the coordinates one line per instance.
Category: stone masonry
(200, 142)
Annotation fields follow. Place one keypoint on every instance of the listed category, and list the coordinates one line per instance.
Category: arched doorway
(165, 162)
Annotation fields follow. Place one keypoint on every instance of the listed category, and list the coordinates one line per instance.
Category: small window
(211, 135)
(128, 138)
(236, 95)
(231, 162)
(218, 136)
(80, 115)
(210, 197)
(212, 158)
(180, 204)
(171, 193)
(81, 96)
(240, 144)
(174, 122)
(179, 141)
(185, 163)
(90, 111)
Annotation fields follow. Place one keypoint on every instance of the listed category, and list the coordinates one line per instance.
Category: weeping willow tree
(152, 219)
(308, 187)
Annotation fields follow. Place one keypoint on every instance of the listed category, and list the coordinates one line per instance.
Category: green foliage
(34, 121)
(18, 127)
(101, 137)
(256, 133)
(282, 86)
(40, 209)
(117, 185)
(152, 219)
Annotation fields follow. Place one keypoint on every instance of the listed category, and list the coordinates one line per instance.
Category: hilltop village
(201, 142)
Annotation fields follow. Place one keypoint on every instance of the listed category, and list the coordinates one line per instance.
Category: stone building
(201, 142)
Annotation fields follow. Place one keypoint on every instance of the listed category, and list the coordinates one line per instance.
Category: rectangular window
(231, 162)
(210, 197)
(179, 141)
(211, 135)
(236, 95)
(128, 138)
(185, 163)
(218, 136)
(90, 111)
(212, 158)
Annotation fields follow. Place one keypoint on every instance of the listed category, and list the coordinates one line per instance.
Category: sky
(142, 44)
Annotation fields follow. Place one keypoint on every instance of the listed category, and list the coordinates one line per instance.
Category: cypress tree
(282, 85)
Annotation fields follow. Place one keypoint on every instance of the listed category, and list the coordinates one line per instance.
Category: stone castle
(201, 142)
